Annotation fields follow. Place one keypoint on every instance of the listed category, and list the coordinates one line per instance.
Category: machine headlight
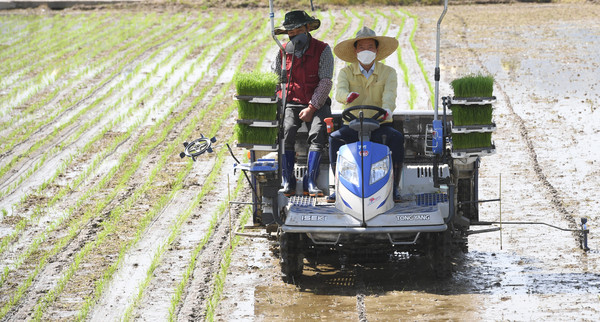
(349, 171)
(379, 169)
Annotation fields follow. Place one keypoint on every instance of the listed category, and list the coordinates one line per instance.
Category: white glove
(388, 114)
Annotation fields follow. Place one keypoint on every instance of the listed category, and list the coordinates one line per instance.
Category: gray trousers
(317, 129)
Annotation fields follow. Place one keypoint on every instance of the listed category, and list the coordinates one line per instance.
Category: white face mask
(366, 57)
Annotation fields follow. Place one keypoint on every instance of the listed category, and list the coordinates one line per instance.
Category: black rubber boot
(288, 179)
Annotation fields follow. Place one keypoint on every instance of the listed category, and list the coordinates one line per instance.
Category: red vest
(305, 74)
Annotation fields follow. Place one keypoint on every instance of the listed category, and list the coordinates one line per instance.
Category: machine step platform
(413, 204)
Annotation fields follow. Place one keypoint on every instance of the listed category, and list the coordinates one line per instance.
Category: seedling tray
(474, 152)
(472, 100)
(257, 99)
(258, 123)
(483, 128)
(257, 147)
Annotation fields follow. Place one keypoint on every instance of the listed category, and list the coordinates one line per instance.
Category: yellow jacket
(379, 90)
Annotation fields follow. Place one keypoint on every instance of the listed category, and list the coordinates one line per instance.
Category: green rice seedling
(255, 83)
(260, 111)
(413, 45)
(344, 29)
(462, 141)
(103, 182)
(255, 135)
(89, 302)
(472, 114)
(472, 86)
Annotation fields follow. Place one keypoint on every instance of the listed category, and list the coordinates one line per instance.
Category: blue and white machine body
(364, 186)
(364, 205)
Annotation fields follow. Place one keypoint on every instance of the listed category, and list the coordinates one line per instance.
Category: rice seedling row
(176, 299)
(51, 294)
(66, 72)
(58, 129)
(117, 141)
(117, 41)
(402, 63)
(336, 40)
(361, 19)
(39, 74)
(418, 59)
(207, 187)
(344, 29)
(94, 122)
(376, 19)
(42, 57)
(221, 275)
(36, 38)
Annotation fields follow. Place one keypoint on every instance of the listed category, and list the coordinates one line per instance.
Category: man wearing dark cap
(309, 79)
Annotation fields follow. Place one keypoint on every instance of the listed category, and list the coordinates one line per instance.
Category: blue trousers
(394, 140)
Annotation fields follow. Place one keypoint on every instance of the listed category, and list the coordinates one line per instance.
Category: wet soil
(542, 169)
(544, 59)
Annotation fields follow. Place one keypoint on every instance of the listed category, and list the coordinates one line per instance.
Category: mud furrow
(123, 67)
(174, 138)
(197, 294)
(350, 32)
(555, 198)
(416, 77)
(360, 294)
(66, 139)
(162, 286)
(70, 126)
(39, 76)
(172, 134)
(98, 160)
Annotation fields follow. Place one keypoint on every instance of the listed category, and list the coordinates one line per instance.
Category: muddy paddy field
(101, 220)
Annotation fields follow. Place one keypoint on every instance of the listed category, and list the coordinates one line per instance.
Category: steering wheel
(347, 116)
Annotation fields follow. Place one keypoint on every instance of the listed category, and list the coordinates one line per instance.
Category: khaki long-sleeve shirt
(379, 90)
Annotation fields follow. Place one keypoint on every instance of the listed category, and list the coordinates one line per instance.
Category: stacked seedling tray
(256, 128)
(472, 124)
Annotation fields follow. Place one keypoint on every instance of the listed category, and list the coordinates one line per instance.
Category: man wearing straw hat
(367, 81)
(309, 67)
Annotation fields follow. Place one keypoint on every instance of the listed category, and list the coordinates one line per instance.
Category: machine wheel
(291, 258)
(440, 254)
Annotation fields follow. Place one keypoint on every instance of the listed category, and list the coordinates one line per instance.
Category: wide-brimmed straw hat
(295, 19)
(345, 50)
